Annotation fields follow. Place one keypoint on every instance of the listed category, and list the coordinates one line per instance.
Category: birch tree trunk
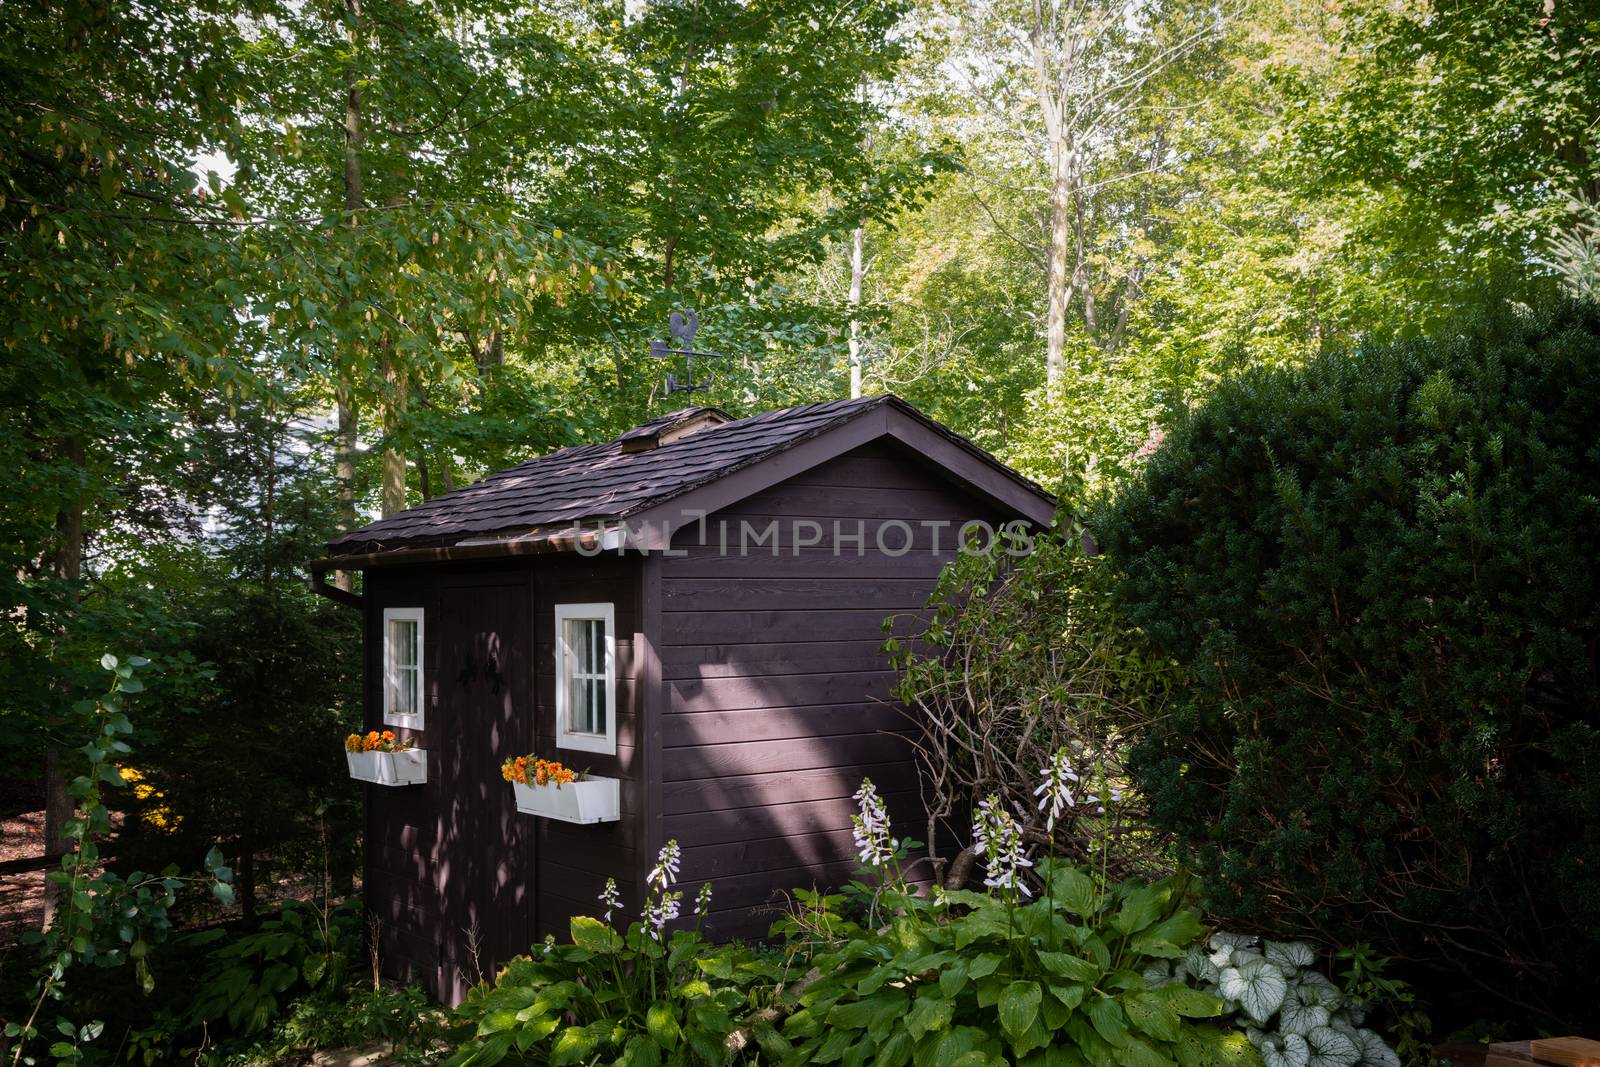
(1051, 73)
(858, 247)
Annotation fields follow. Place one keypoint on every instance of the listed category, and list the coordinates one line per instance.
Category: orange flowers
(531, 770)
(373, 741)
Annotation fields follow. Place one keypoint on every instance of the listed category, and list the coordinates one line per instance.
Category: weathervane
(683, 326)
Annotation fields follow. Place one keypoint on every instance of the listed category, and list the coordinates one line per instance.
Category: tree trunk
(1080, 266)
(393, 498)
(1050, 74)
(858, 246)
(344, 469)
(344, 462)
(1059, 292)
(58, 805)
(352, 113)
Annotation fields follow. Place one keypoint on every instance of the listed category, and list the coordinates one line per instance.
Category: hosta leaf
(1226, 1048)
(1168, 937)
(1140, 909)
(1094, 1047)
(661, 1025)
(1109, 1022)
(953, 978)
(1375, 1051)
(930, 1012)
(1191, 1003)
(1330, 1048)
(1019, 1007)
(1289, 956)
(1074, 889)
(1285, 1050)
(1069, 966)
(573, 1046)
(1256, 986)
(1153, 1015)
(982, 966)
(1138, 1054)
(594, 935)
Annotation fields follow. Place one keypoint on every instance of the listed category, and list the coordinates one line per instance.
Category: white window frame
(390, 716)
(566, 737)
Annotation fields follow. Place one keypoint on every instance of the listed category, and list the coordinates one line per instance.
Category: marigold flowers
(531, 770)
(374, 741)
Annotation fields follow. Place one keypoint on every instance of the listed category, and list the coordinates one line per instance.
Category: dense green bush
(1379, 573)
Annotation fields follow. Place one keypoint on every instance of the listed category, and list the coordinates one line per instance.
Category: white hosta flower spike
(1055, 792)
(610, 898)
(870, 828)
(665, 872)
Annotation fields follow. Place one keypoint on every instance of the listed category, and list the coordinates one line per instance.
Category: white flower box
(389, 768)
(594, 799)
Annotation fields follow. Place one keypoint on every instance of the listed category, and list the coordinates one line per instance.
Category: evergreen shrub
(1379, 575)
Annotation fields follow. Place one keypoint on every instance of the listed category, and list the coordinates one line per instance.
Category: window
(586, 678)
(402, 667)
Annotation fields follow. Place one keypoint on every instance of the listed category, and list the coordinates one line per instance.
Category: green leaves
(1074, 889)
(1019, 1008)
(621, 998)
(594, 935)
(1033, 977)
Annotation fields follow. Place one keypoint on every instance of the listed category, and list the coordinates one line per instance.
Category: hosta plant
(1294, 1015)
(973, 978)
(648, 995)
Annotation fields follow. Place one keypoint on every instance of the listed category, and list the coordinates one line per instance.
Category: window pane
(405, 700)
(597, 646)
(597, 704)
(578, 713)
(403, 642)
(577, 645)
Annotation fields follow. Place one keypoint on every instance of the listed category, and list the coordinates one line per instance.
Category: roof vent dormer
(670, 428)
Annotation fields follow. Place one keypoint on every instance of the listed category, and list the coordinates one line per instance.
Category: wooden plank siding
(775, 688)
(459, 879)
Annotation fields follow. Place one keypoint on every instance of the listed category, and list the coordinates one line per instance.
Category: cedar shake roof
(621, 478)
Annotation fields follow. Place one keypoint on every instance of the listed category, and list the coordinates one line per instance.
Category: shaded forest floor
(21, 895)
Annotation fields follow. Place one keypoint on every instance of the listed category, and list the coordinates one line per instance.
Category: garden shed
(694, 610)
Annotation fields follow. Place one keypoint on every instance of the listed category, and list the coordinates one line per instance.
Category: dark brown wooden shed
(694, 609)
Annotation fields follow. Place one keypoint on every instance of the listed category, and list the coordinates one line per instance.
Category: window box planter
(389, 768)
(591, 800)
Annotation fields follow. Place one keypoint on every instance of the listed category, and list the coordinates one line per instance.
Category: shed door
(486, 863)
